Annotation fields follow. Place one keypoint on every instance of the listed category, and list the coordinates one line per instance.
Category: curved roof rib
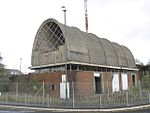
(122, 60)
(49, 47)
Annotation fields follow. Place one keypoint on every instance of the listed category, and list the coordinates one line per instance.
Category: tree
(4, 78)
(2, 67)
(3, 73)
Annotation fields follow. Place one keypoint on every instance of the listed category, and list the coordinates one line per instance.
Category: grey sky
(126, 22)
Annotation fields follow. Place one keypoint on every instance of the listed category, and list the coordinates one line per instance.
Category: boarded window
(124, 81)
(115, 82)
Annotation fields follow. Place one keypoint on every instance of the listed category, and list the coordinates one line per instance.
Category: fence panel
(82, 95)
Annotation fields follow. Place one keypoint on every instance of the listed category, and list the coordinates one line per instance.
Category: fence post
(107, 87)
(140, 91)
(43, 93)
(127, 99)
(25, 99)
(73, 95)
(100, 100)
(48, 100)
(149, 95)
(6, 101)
(17, 90)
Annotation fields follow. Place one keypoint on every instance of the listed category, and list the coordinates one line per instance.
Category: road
(11, 110)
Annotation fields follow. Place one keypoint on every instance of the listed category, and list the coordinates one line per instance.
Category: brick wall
(51, 81)
(84, 82)
(106, 82)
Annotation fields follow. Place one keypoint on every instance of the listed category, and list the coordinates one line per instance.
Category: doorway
(98, 85)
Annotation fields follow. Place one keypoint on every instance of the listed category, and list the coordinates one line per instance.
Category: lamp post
(64, 10)
(20, 64)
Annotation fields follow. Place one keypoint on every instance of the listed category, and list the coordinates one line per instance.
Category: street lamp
(64, 10)
(20, 64)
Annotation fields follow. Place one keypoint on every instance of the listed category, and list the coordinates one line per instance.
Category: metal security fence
(48, 95)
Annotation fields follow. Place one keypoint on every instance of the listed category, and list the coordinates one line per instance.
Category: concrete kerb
(65, 110)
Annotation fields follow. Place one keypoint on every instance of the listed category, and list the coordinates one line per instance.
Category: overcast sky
(126, 22)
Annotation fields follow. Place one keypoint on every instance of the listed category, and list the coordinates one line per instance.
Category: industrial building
(64, 54)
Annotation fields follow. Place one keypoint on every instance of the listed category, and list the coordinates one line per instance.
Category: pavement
(23, 109)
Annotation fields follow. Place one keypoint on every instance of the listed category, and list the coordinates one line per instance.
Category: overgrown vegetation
(4, 77)
(145, 82)
(3, 74)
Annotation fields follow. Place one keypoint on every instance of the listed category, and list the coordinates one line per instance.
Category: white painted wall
(63, 88)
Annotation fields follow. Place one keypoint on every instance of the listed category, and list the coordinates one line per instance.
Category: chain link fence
(49, 95)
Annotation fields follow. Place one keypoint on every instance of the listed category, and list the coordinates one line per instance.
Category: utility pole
(66, 53)
(86, 15)
(20, 64)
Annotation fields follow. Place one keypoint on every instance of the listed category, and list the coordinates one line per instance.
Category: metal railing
(44, 95)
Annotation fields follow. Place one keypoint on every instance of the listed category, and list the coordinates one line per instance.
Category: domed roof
(50, 45)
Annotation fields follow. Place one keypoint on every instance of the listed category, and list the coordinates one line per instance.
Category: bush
(145, 82)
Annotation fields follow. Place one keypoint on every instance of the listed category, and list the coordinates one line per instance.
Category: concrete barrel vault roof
(49, 47)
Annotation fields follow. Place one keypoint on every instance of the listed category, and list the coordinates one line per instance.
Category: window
(52, 87)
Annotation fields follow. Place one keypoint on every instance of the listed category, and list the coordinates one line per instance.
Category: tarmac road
(129, 111)
(11, 110)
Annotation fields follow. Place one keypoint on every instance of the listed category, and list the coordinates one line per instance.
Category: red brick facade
(84, 82)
